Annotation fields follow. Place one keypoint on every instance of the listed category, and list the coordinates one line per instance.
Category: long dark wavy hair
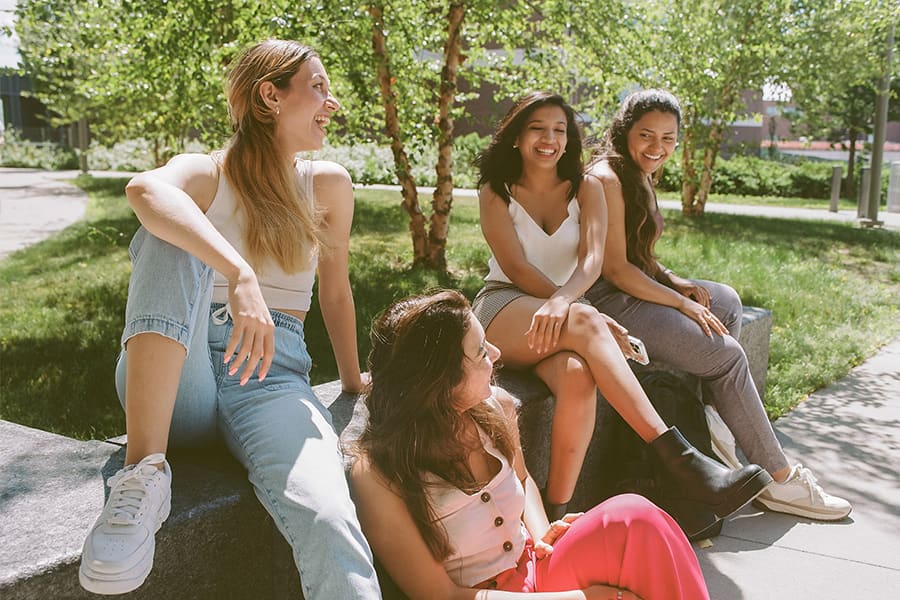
(640, 226)
(500, 165)
(415, 363)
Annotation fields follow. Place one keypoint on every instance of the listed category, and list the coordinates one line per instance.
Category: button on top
(507, 546)
(485, 497)
(498, 521)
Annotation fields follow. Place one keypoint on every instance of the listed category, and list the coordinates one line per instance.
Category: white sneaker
(118, 552)
(801, 495)
(721, 438)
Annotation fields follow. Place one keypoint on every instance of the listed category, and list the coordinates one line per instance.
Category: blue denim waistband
(280, 319)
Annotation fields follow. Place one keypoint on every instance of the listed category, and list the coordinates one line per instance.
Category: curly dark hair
(640, 226)
(416, 362)
(500, 165)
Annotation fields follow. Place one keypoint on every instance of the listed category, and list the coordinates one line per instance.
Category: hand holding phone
(638, 351)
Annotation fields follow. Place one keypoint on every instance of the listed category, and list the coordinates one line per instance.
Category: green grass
(834, 291)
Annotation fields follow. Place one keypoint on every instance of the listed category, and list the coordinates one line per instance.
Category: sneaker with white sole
(800, 495)
(118, 552)
(721, 439)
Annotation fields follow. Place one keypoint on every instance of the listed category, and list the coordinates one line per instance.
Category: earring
(277, 110)
(515, 145)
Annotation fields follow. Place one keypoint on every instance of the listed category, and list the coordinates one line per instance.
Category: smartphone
(638, 351)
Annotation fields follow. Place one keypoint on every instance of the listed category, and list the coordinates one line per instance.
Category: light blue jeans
(277, 429)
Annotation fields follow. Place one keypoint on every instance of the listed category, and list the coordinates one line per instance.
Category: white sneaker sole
(793, 509)
(108, 584)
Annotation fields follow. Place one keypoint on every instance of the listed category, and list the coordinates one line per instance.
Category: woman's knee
(586, 322)
(637, 513)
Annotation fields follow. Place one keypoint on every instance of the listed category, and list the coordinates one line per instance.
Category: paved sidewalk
(849, 435)
(35, 204)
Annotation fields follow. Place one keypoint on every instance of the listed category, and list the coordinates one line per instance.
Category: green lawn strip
(813, 203)
(834, 291)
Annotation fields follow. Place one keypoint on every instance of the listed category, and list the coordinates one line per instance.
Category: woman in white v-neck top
(547, 233)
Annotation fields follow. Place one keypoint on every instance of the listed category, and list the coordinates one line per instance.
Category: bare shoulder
(603, 173)
(507, 402)
(328, 174)
(196, 174)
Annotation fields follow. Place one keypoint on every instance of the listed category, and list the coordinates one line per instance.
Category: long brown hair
(281, 223)
(640, 226)
(500, 165)
(414, 428)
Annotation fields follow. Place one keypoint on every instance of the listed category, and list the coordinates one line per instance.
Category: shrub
(16, 152)
(752, 176)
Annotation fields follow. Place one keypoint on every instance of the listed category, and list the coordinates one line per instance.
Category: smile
(545, 151)
(653, 156)
(322, 120)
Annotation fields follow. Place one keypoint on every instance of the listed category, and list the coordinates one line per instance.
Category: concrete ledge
(218, 541)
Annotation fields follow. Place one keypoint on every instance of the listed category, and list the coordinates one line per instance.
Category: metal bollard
(862, 201)
(893, 203)
(835, 187)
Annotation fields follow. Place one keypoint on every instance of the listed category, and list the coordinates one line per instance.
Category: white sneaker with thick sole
(721, 438)
(800, 495)
(118, 552)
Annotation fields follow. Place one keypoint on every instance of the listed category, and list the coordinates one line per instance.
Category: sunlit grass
(834, 291)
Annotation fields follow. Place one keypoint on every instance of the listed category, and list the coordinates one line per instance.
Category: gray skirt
(494, 297)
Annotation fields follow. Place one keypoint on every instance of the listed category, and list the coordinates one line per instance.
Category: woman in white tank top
(198, 366)
(531, 306)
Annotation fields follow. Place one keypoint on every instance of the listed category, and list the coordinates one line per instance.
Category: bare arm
(622, 273)
(334, 193)
(500, 234)
(170, 203)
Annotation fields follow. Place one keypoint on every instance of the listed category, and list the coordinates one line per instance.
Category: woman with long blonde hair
(213, 348)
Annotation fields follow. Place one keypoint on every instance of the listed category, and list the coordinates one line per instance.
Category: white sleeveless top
(279, 289)
(555, 255)
(485, 529)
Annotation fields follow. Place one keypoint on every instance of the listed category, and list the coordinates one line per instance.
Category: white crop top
(279, 289)
(485, 529)
(555, 255)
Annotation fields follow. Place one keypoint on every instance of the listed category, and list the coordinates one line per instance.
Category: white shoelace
(809, 480)
(128, 492)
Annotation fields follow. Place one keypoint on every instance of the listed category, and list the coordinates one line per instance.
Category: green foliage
(753, 176)
(16, 152)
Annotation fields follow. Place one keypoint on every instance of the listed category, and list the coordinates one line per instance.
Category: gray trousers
(719, 361)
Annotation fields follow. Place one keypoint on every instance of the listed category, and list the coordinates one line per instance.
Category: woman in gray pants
(692, 325)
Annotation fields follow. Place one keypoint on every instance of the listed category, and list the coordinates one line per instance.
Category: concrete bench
(218, 541)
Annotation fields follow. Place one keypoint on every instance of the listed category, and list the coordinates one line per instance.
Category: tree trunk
(392, 124)
(850, 182)
(442, 200)
(688, 171)
(710, 153)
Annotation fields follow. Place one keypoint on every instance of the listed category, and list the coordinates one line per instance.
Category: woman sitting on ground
(546, 232)
(445, 499)
(692, 325)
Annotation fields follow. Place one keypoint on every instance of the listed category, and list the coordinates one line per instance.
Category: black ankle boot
(691, 475)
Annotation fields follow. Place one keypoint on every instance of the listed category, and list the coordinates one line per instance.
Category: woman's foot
(693, 476)
(118, 552)
(801, 495)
